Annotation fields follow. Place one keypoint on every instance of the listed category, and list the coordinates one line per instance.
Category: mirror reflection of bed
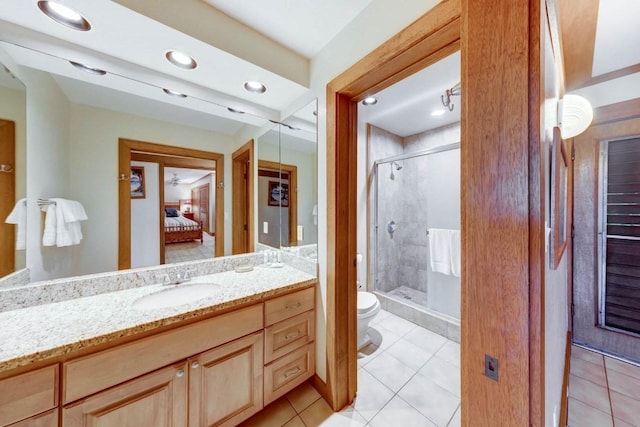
(189, 214)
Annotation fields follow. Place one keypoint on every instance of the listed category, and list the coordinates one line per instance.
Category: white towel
(69, 213)
(440, 250)
(18, 216)
(454, 235)
(50, 224)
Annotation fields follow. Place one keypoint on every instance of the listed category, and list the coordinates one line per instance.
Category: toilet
(368, 307)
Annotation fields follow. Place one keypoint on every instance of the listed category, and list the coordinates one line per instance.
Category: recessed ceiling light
(88, 69)
(181, 59)
(437, 112)
(254, 87)
(174, 93)
(233, 110)
(370, 100)
(64, 15)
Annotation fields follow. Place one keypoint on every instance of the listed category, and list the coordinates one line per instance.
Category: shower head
(397, 165)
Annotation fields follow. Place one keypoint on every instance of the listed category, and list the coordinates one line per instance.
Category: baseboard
(320, 386)
(564, 404)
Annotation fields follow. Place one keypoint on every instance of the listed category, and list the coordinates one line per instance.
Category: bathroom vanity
(112, 357)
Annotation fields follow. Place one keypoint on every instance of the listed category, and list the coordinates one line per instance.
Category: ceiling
(304, 26)
(405, 108)
(185, 176)
(600, 51)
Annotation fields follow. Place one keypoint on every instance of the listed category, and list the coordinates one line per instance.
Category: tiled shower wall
(425, 193)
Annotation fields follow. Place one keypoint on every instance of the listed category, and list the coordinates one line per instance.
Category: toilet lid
(366, 301)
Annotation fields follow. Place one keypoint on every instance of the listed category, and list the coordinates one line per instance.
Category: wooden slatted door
(620, 274)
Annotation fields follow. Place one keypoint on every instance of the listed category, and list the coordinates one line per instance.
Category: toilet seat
(366, 302)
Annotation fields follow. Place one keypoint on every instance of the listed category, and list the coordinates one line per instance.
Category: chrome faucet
(180, 278)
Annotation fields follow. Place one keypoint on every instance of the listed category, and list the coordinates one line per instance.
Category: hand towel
(50, 225)
(439, 250)
(18, 216)
(69, 213)
(454, 235)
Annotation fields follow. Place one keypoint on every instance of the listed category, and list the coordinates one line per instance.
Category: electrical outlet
(491, 367)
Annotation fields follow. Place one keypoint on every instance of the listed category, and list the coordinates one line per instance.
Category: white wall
(48, 175)
(13, 107)
(175, 193)
(556, 282)
(145, 220)
(94, 160)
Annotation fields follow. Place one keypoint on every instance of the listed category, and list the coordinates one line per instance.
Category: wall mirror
(12, 167)
(287, 182)
(75, 120)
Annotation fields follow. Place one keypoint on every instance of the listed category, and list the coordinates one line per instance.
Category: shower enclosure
(414, 193)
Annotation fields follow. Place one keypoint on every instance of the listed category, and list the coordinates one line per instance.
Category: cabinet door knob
(180, 373)
(195, 365)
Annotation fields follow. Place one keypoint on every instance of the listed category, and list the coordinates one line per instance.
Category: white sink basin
(179, 295)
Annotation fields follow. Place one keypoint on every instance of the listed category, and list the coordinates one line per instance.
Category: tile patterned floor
(603, 392)
(408, 376)
(190, 251)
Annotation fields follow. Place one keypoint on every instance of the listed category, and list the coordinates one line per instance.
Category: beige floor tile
(625, 408)
(589, 356)
(408, 353)
(382, 337)
(372, 395)
(581, 415)
(397, 325)
(302, 397)
(275, 414)
(390, 371)
(589, 393)
(320, 414)
(295, 422)
(593, 372)
(434, 402)
(425, 339)
(622, 383)
(450, 352)
(619, 423)
(456, 420)
(622, 367)
(443, 373)
(399, 413)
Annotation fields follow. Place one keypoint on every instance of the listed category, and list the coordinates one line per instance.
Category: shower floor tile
(410, 294)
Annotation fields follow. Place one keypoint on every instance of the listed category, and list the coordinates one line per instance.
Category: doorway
(595, 324)
(243, 235)
(169, 156)
(7, 195)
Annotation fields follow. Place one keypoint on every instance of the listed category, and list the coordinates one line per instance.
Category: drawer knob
(293, 306)
(290, 372)
(180, 373)
(195, 365)
(292, 335)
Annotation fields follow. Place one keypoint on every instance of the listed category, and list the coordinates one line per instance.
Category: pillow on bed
(171, 212)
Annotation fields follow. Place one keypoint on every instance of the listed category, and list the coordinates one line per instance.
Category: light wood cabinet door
(157, 399)
(225, 384)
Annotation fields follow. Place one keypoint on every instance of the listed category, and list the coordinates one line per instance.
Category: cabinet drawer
(28, 394)
(99, 371)
(288, 372)
(285, 336)
(48, 419)
(286, 306)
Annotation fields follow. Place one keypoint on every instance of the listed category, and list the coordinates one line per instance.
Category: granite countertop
(46, 331)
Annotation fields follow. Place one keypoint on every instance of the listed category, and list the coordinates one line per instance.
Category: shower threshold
(410, 304)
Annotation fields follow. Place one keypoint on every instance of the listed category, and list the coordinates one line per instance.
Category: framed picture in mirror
(559, 198)
(278, 194)
(137, 182)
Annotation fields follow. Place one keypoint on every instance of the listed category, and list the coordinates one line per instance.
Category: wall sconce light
(575, 115)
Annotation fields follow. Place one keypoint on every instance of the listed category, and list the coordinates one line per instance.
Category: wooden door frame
(183, 158)
(500, 137)
(8, 195)
(243, 196)
(292, 171)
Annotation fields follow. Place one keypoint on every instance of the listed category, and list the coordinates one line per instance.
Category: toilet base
(365, 342)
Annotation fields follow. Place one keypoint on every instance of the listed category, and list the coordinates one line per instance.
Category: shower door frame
(373, 269)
